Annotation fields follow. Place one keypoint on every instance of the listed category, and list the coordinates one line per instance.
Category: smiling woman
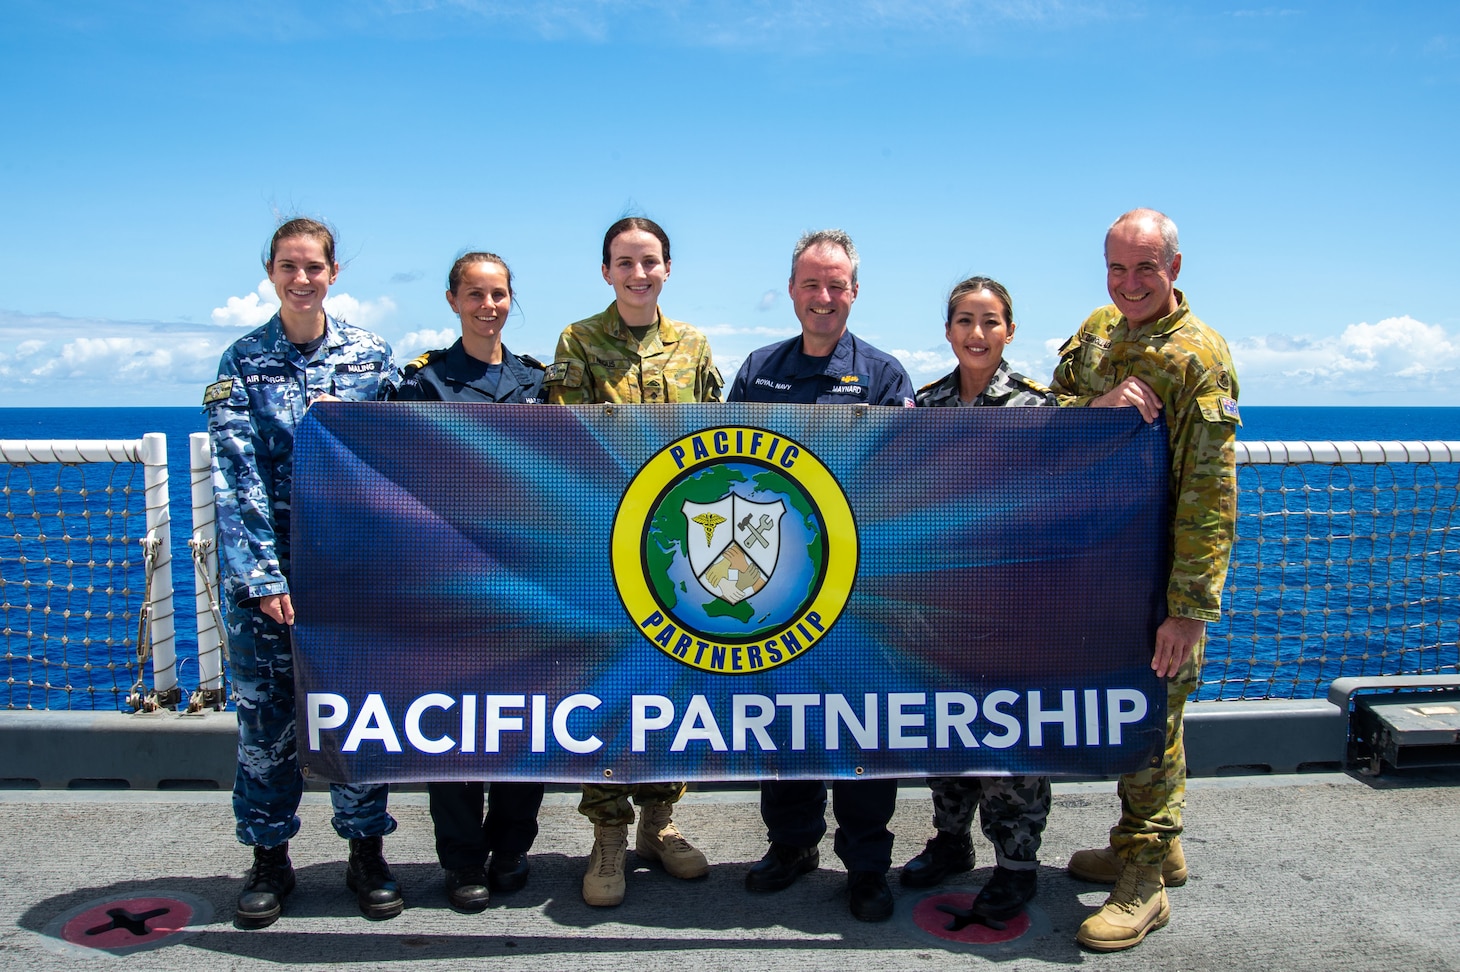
(633, 353)
(1012, 809)
(478, 367)
(473, 821)
(266, 381)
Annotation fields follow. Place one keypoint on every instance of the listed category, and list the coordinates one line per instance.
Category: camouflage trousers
(1012, 812)
(1151, 800)
(268, 785)
(608, 803)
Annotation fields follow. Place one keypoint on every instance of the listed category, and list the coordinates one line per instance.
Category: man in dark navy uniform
(826, 365)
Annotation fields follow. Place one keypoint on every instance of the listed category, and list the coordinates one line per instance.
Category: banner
(725, 592)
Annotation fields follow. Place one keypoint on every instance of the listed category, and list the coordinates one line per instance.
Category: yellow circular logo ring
(734, 550)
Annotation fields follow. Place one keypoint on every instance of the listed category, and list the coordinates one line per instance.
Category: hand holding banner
(726, 592)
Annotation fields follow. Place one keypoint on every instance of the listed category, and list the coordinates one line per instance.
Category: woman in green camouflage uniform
(633, 353)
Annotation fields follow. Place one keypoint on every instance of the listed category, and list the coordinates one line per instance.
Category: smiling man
(826, 365)
(1150, 352)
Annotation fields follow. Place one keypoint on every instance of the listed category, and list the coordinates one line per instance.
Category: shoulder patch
(556, 371)
(420, 362)
(1219, 409)
(219, 391)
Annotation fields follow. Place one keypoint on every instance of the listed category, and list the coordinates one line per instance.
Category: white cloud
(90, 361)
(1040, 369)
(369, 314)
(928, 364)
(250, 311)
(768, 300)
(133, 359)
(424, 340)
(1396, 354)
(50, 360)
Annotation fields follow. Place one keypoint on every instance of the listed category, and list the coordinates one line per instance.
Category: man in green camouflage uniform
(1149, 351)
(603, 360)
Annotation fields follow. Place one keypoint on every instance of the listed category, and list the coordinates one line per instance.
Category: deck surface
(1324, 871)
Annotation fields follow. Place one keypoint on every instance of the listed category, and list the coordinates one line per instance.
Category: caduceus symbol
(709, 521)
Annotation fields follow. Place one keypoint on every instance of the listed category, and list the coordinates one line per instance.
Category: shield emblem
(733, 544)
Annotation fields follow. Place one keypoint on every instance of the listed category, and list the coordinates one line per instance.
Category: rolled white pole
(159, 530)
(205, 532)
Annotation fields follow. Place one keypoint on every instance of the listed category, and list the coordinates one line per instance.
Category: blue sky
(1306, 150)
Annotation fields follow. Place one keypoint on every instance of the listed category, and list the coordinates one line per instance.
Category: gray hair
(826, 237)
(1170, 246)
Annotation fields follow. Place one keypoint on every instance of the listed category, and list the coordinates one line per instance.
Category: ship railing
(1346, 564)
(70, 584)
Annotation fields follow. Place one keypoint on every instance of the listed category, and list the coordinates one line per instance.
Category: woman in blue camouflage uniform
(478, 368)
(266, 380)
(1012, 809)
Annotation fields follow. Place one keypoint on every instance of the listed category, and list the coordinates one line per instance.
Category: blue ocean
(1319, 558)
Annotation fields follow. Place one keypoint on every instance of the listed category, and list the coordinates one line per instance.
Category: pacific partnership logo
(734, 550)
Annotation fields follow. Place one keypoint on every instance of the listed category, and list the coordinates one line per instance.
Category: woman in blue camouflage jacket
(266, 380)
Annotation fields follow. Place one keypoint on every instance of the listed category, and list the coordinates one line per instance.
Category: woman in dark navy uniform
(478, 368)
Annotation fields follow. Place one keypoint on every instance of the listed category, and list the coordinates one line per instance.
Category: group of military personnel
(1146, 350)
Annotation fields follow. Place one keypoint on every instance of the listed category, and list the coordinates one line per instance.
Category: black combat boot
(1006, 893)
(271, 878)
(369, 877)
(946, 854)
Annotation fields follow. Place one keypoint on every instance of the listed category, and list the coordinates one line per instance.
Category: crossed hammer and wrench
(755, 530)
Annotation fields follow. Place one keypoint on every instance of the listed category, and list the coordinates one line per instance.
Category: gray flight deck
(1323, 871)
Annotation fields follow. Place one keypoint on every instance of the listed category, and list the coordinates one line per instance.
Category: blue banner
(725, 592)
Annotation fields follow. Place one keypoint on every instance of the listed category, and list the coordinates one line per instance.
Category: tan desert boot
(659, 840)
(1137, 905)
(1103, 866)
(603, 885)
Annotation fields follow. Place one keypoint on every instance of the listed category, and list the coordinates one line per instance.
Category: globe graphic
(791, 585)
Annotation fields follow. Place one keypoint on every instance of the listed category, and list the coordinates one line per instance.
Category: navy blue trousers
(465, 836)
(268, 784)
(794, 812)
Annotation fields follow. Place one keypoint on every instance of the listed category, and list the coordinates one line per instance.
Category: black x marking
(122, 918)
